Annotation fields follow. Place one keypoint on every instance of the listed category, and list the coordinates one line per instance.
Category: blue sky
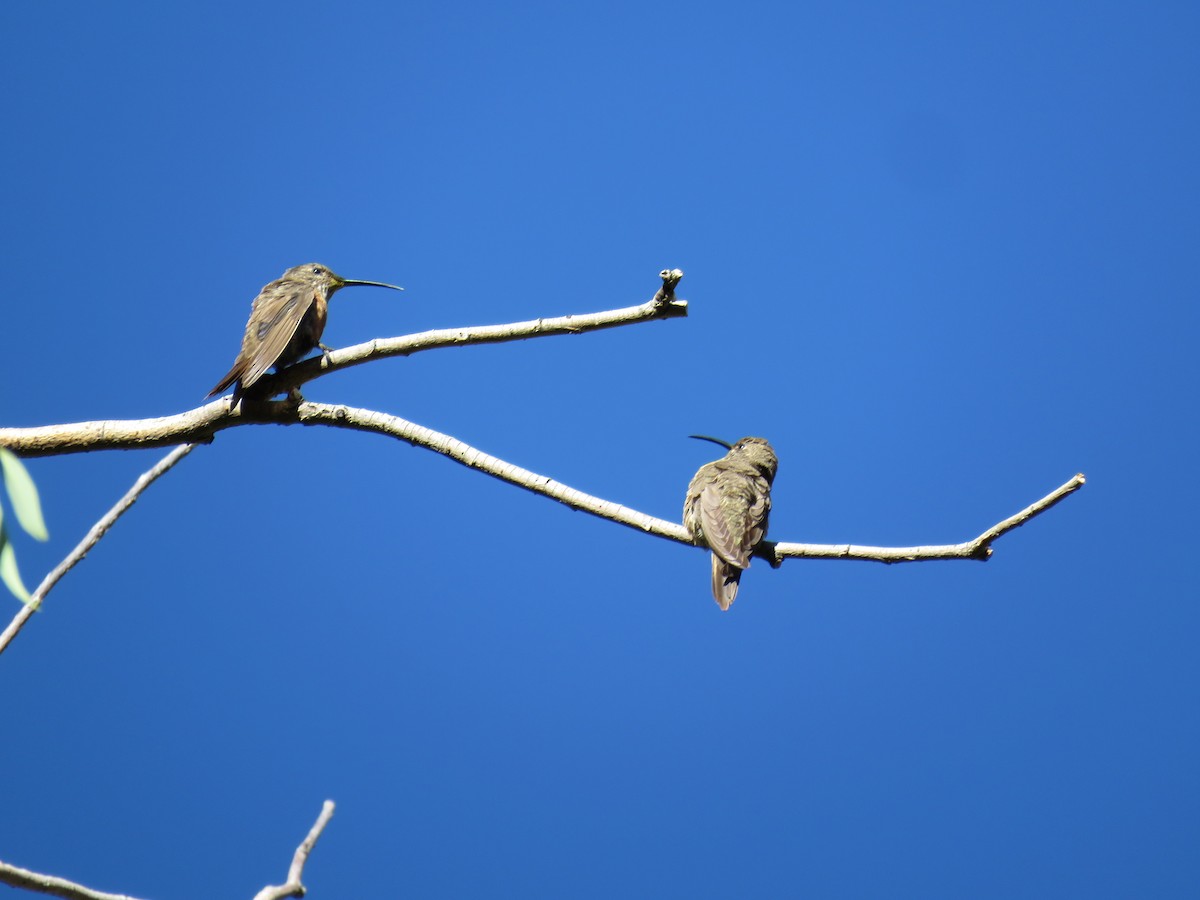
(942, 256)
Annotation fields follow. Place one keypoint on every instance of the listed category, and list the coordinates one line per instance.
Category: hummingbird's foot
(294, 399)
(766, 550)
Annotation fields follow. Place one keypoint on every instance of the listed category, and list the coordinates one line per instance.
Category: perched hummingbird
(286, 321)
(727, 506)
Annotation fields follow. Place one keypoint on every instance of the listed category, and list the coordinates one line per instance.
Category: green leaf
(8, 568)
(23, 494)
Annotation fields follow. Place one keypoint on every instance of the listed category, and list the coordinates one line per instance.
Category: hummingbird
(286, 321)
(727, 505)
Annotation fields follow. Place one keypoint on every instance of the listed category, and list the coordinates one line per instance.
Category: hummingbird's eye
(316, 270)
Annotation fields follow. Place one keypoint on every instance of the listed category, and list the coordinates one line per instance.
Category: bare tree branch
(336, 416)
(90, 540)
(196, 426)
(199, 425)
(17, 877)
(50, 884)
(418, 435)
(294, 886)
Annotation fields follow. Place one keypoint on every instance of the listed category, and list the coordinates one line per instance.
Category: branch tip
(670, 278)
(294, 887)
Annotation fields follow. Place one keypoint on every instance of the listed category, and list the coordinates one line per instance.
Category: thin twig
(90, 540)
(979, 548)
(17, 877)
(662, 306)
(1033, 509)
(294, 886)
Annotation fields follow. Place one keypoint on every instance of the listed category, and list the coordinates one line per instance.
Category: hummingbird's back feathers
(727, 507)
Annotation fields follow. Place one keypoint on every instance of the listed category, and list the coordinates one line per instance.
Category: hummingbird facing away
(727, 506)
(286, 321)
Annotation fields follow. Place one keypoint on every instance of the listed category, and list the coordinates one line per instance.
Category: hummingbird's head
(758, 453)
(753, 450)
(325, 279)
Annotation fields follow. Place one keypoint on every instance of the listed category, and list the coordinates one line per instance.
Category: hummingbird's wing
(275, 315)
(734, 518)
(756, 516)
(722, 535)
(734, 521)
(273, 322)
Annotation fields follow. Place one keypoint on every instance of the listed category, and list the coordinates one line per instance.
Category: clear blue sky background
(944, 255)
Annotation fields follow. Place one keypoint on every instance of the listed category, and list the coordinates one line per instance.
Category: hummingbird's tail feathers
(230, 377)
(725, 580)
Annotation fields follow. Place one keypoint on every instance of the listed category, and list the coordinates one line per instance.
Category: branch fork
(17, 877)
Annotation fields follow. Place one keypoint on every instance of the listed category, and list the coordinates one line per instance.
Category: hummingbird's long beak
(705, 437)
(349, 282)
